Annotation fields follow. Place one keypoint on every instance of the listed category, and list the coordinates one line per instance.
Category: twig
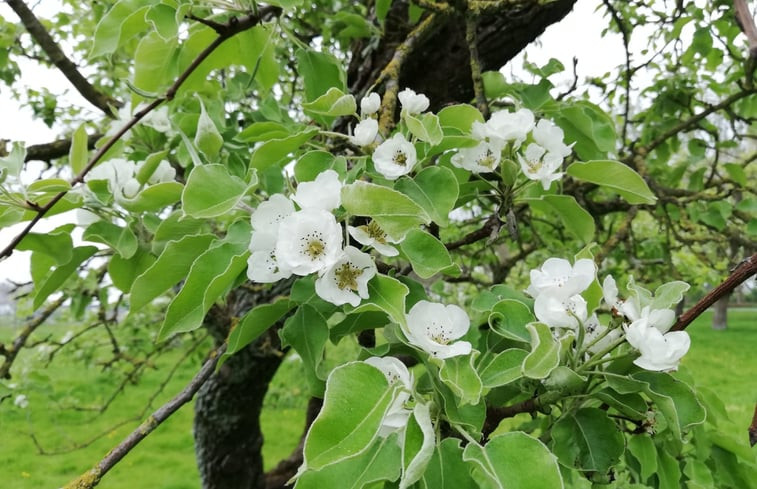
(38, 32)
(231, 28)
(9, 353)
(93, 476)
(55, 149)
(738, 275)
(471, 38)
(626, 35)
(491, 225)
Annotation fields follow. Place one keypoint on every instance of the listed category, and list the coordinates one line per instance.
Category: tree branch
(55, 149)
(231, 28)
(746, 23)
(38, 32)
(738, 275)
(471, 38)
(92, 477)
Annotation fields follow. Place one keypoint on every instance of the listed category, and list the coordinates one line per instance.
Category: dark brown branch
(471, 39)
(495, 414)
(38, 32)
(232, 27)
(10, 353)
(55, 149)
(93, 476)
(491, 226)
(738, 275)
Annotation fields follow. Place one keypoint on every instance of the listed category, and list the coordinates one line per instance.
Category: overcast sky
(578, 35)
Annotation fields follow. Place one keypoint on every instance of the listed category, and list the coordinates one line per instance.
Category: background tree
(240, 84)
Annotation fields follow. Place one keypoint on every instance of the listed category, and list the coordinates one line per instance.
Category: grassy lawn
(723, 361)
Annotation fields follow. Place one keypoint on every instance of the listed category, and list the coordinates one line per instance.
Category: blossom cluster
(124, 177)
(306, 239)
(557, 289)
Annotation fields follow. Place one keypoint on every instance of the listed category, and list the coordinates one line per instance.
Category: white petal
(411, 102)
(370, 104)
(269, 214)
(308, 241)
(365, 132)
(395, 157)
(322, 193)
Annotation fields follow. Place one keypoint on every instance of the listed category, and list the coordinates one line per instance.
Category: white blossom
(371, 234)
(308, 241)
(346, 281)
(538, 164)
(370, 104)
(395, 157)
(322, 193)
(365, 132)
(433, 327)
(413, 103)
(560, 312)
(21, 401)
(559, 278)
(511, 126)
(158, 120)
(396, 373)
(659, 352)
(269, 214)
(610, 293)
(164, 172)
(594, 329)
(482, 158)
(262, 265)
(550, 137)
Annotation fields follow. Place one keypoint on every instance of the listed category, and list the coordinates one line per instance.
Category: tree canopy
(289, 175)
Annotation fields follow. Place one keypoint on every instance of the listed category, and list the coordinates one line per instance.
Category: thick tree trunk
(720, 316)
(228, 439)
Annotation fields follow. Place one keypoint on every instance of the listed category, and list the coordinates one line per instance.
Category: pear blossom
(346, 281)
(322, 193)
(560, 312)
(395, 157)
(158, 120)
(262, 265)
(610, 293)
(537, 164)
(396, 373)
(365, 132)
(433, 327)
(659, 352)
(482, 158)
(121, 177)
(559, 278)
(413, 103)
(371, 234)
(370, 104)
(164, 172)
(269, 214)
(550, 137)
(21, 401)
(308, 241)
(594, 329)
(511, 126)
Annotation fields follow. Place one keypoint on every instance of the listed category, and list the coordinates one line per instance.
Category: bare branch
(55, 149)
(101, 100)
(738, 275)
(746, 24)
(471, 38)
(92, 477)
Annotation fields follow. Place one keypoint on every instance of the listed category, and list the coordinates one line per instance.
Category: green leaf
(459, 374)
(631, 405)
(435, 189)
(119, 24)
(263, 131)
(514, 461)
(163, 19)
(425, 127)
(320, 71)
(124, 271)
(669, 294)
(333, 103)
(121, 239)
(393, 211)
(273, 151)
(357, 322)
(418, 446)
(313, 163)
(253, 324)
(545, 352)
(461, 117)
(575, 218)
(675, 399)
(588, 440)
(210, 276)
(150, 165)
(154, 198)
(615, 176)
(207, 138)
(155, 64)
(590, 127)
(427, 255)
(385, 294)
(211, 191)
(668, 471)
(509, 317)
(737, 174)
(502, 368)
(446, 469)
(380, 462)
(58, 277)
(170, 267)
(57, 245)
(468, 416)
(77, 154)
(306, 331)
(643, 449)
(356, 400)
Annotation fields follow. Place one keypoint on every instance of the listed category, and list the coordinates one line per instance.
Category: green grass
(723, 361)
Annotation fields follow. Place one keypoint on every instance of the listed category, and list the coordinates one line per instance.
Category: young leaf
(306, 331)
(418, 446)
(77, 155)
(427, 255)
(435, 189)
(545, 352)
(58, 277)
(446, 469)
(253, 324)
(393, 211)
(503, 368)
(575, 218)
(207, 138)
(616, 176)
(588, 440)
(459, 374)
(386, 294)
(211, 191)
(333, 103)
(425, 127)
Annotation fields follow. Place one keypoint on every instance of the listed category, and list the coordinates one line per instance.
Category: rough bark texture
(720, 316)
(227, 433)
